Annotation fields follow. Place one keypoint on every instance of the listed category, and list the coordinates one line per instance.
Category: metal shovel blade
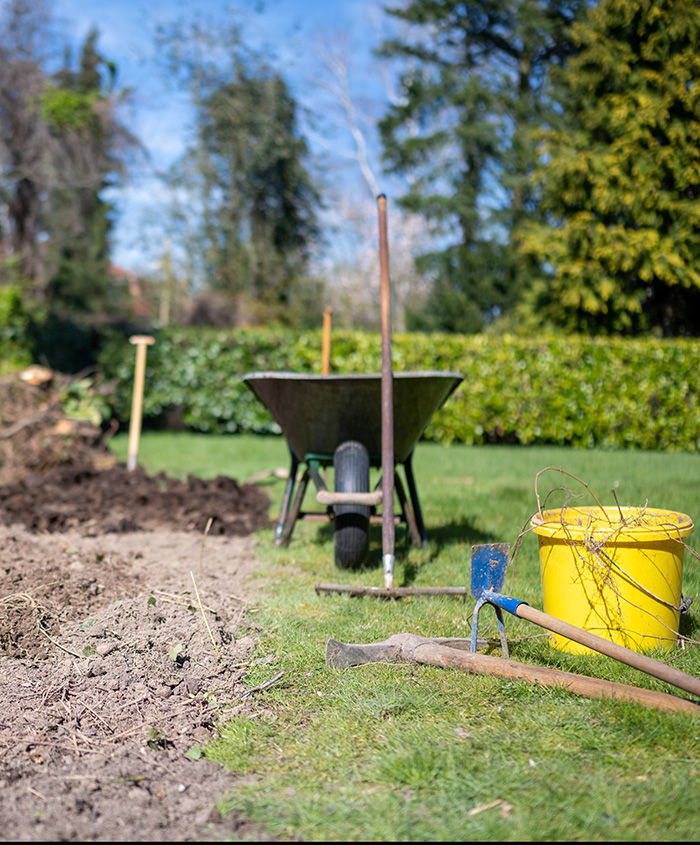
(488, 571)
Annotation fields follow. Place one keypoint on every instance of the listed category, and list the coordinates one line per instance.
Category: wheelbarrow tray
(319, 412)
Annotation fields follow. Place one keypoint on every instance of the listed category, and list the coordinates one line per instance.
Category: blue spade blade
(488, 571)
(489, 563)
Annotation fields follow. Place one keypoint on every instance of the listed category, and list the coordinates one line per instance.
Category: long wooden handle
(326, 342)
(417, 649)
(625, 655)
(483, 664)
(392, 592)
(142, 342)
(387, 402)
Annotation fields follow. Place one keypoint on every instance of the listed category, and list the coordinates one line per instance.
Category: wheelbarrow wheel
(351, 524)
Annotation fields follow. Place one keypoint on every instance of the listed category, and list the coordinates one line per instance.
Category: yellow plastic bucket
(616, 572)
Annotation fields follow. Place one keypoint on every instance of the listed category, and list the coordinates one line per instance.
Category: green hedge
(575, 391)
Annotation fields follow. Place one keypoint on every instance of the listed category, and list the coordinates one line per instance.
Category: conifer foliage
(476, 82)
(620, 177)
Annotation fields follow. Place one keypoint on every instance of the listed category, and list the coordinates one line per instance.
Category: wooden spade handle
(141, 342)
(417, 649)
(326, 342)
(483, 664)
(625, 655)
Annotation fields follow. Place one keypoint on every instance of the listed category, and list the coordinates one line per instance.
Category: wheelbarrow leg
(407, 512)
(413, 493)
(287, 498)
(295, 509)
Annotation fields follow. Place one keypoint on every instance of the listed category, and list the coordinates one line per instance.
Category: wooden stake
(326, 347)
(141, 342)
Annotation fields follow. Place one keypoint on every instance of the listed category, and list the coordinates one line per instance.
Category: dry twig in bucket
(527, 526)
(571, 475)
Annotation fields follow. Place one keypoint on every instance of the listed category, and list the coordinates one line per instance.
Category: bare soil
(110, 678)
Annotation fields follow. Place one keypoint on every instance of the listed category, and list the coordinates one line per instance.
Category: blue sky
(292, 32)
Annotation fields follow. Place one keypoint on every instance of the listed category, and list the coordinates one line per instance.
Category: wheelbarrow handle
(625, 655)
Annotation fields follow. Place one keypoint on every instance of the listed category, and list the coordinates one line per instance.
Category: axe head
(488, 570)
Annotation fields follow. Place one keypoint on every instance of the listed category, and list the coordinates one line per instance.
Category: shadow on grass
(440, 538)
(689, 626)
(411, 560)
(456, 531)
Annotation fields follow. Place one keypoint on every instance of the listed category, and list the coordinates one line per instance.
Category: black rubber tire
(351, 523)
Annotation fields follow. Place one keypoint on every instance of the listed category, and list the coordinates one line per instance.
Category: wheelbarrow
(354, 422)
(335, 420)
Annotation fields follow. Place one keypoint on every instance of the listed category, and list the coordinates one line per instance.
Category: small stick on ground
(58, 645)
(204, 537)
(179, 600)
(199, 601)
(96, 715)
(262, 686)
(41, 628)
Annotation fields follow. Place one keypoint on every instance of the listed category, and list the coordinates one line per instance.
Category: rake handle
(387, 401)
(625, 655)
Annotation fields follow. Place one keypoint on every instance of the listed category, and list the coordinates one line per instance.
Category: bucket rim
(640, 524)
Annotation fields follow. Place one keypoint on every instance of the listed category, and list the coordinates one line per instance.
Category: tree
(346, 116)
(78, 107)
(247, 176)
(258, 189)
(477, 83)
(23, 140)
(61, 145)
(621, 180)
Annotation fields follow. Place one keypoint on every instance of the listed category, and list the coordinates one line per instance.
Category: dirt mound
(113, 677)
(118, 500)
(37, 436)
(44, 583)
(58, 473)
(124, 633)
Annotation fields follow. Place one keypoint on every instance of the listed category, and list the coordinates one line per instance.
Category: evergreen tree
(260, 201)
(477, 80)
(621, 180)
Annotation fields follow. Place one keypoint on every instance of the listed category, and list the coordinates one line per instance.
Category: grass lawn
(398, 752)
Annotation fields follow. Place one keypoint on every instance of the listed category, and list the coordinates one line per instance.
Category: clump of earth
(124, 614)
